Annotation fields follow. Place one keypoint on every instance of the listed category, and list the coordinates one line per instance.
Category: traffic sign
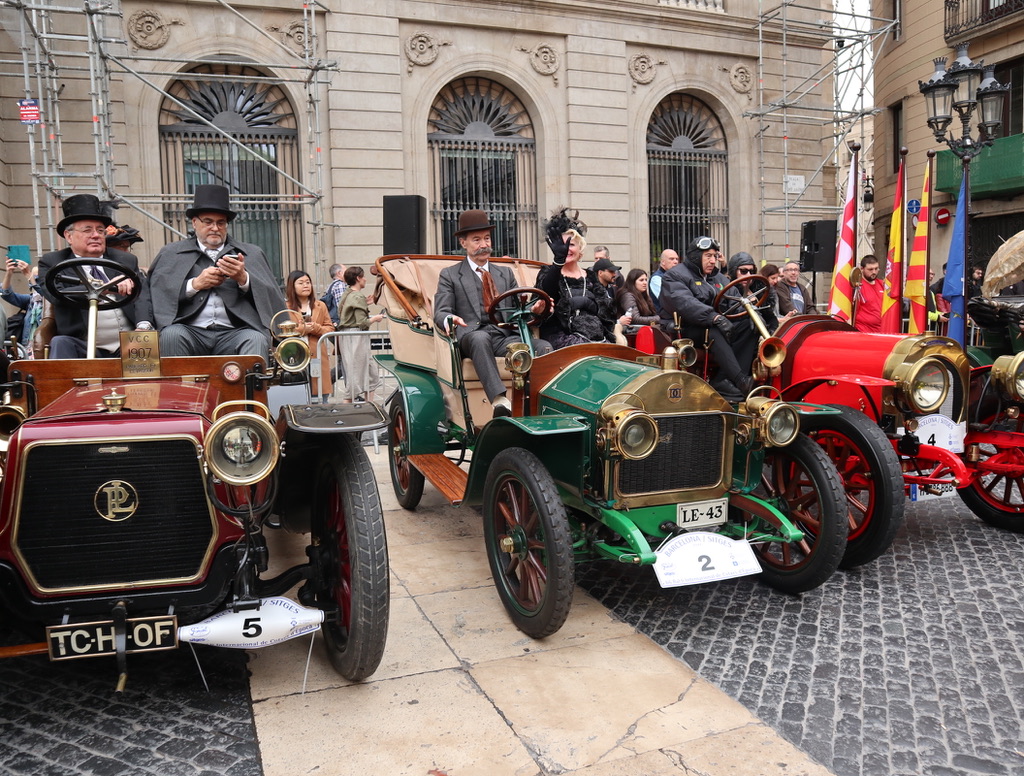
(914, 207)
(942, 216)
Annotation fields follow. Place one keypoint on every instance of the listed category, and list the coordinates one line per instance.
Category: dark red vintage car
(137, 494)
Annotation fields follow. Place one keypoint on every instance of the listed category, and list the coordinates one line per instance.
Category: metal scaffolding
(847, 39)
(62, 40)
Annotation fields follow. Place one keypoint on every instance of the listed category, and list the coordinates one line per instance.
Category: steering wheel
(526, 299)
(732, 307)
(71, 282)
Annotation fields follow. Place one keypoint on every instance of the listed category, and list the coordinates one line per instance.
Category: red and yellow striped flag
(840, 300)
(917, 270)
(892, 299)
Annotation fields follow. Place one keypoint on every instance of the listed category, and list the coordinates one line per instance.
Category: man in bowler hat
(84, 226)
(460, 309)
(211, 294)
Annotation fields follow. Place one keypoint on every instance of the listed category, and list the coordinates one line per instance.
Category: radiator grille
(689, 455)
(66, 543)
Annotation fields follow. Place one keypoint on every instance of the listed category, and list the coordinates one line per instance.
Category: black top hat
(123, 234)
(80, 207)
(210, 198)
(473, 221)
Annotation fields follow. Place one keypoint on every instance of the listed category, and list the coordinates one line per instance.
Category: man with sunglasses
(688, 292)
(211, 295)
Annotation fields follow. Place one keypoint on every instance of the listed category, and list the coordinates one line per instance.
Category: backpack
(332, 303)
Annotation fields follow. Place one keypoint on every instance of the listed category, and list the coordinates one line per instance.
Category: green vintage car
(609, 454)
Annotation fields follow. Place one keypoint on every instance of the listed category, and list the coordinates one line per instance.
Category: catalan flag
(840, 300)
(916, 289)
(892, 298)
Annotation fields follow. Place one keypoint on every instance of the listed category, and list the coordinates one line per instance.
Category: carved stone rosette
(741, 78)
(148, 30)
(294, 34)
(642, 69)
(422, 48)
(544, 60)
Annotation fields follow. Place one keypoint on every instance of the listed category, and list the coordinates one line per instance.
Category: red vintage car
(137, 494)
(948, 426)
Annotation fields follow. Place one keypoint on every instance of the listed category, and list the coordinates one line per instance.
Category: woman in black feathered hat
(583, 310)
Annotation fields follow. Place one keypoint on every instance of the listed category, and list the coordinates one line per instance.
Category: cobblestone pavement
(910, 666)
(60, 719)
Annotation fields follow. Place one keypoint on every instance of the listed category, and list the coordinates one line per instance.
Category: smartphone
(19, 253)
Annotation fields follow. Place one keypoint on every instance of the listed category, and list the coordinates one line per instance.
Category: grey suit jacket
(163, 300)
(460, 292)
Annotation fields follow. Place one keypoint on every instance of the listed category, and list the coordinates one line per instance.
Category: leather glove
(559, 249)
(725, 326)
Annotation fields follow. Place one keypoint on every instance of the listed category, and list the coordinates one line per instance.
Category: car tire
(529, 544)
(803, 484)
(406, 480)
(998, 498)
(351, 560)
(872, 478)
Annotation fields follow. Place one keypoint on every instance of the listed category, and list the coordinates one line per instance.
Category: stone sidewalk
(461, 692)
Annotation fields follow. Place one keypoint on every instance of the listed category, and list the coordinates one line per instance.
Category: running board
(443, 474)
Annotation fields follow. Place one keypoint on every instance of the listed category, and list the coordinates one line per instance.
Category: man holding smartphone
(211, 294)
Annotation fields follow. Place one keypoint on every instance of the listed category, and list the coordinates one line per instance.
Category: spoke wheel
(803, 484)
(872, 479)
(529, 545)
(997, 495)
(406, 479)
(351, 560)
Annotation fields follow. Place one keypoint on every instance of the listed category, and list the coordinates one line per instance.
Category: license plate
(91, 639)
(696, 557)
(701, 514)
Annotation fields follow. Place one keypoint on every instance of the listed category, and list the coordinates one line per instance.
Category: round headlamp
(241, 448)
(781, 425)
(518, 359)
(925, 386)
(631, 432)
(1008, 374)
(292, 354)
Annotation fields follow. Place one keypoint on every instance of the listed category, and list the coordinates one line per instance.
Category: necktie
(490, 291)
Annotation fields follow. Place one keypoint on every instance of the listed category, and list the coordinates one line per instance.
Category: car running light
(1008, 373)
(776, 421)
(292, 354)
(241, 448)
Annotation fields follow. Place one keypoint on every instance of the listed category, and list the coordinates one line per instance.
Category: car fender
(420, 394)
(862, 385)
(560, 441)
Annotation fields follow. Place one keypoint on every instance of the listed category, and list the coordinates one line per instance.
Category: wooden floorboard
(443, 474)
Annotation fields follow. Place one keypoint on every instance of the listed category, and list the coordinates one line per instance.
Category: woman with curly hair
(634, 301)
(583, 310)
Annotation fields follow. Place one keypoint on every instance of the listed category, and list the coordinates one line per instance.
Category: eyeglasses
(706, 243)
(746, 271)
(91, 230)
(213, 221)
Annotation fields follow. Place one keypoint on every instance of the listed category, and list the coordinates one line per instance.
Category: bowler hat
(473, 221)
(601, 264)
(210, 198)
(81, 207)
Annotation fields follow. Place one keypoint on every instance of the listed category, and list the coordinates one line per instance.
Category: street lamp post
(964, 87)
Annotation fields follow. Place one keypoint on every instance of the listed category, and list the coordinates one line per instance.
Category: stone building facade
(641, 114)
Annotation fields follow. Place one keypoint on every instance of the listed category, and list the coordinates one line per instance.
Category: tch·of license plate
(91, 639)
(701, 514)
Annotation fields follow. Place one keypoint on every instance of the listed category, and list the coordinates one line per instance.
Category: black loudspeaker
(818, 246)
(405, 224)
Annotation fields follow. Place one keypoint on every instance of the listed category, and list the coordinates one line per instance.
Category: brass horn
(11, 416)
(771, 352)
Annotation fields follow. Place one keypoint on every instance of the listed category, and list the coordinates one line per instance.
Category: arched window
(257, 115)
(482, 156)
(687, 171)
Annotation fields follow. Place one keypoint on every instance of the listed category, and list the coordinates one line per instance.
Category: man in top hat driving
(460, 306)
(84, 226)
(211, 294)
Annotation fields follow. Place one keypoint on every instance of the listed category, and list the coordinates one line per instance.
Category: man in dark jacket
(211, 294)
(84, 227)
(688, 291)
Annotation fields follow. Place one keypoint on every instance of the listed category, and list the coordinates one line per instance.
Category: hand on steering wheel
(526, 298)
(756, 293)
(71, 282)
